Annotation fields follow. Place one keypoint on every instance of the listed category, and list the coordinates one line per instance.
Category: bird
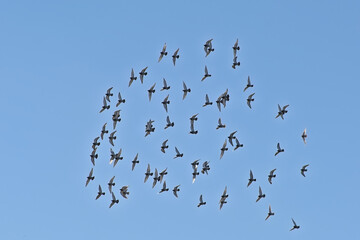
(124, 191)
(103, 131)
(93, 156)
(279, 149)
(147, 173)
(105, 106)
(164, 189)
(149, 127)
(248, 85)
(162, 174)
(223, 198)
(194, 174)
(208, 47)
(218, 101)
(118, 157)
(108, 94)
(207, 101)
(175, 190)
(282, 111)
(134, 162)
(235, 62)
(201, 201)
(206, 74)
(231, 137)
(220, 125)
(114, 200)
(195, 164)
(90, 177)
(100, 192)
(251, 179)
(175, 56)
(223, 149)
(116, 118)
(156, 178)
(112, 138)
(95, 143)
(163, 52)
(111, 184)
(132, 77)
(236, 47)
(261, 195)
(168, 123)
(270, 213)
(238, 144)
(165, 102)
(142, 74)
(165, 86)
(151, 91)
(303, 169)
(112, 156)
(178, 154)
(120, 100)
(194, 117)
(164, 146)
(304, 136)
(205, 167)
(250, 99)
(192, 130)
(271, 175)
(185, 90)
(295, 225)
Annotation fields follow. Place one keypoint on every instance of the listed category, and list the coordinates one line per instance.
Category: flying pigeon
(185, 90)
(168, 123)
(175, 56)
(142, 74)
(207, 101)
(250, 99)
(165, 87)
(271, 175)
(132, 77)
(303, 169)
(90, 177)
(279, 149)
(206, 74)
(248, 84)
(108, 94)
(163, 52)
(251, 179)
(201, 201)
(100, 192)
(261, 195)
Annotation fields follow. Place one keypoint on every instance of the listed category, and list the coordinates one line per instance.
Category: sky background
(57, 59)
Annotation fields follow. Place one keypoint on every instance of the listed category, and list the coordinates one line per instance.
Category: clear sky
(57, 59)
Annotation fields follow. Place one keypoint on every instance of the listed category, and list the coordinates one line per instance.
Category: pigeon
(165, 102)
(142, 74)
(120, 100)
(118, 157)
(250, 99)
(208, 47)
(201, 201)
(112, 138)
(235, 63)
(192, 131)
(236, 47)
(156, 178)
(124, 191)
(220, 125)
(164, 189)
(270, 213)
(90, 177)
(251, 179)
(194, 174)
(271, 175)
(148, 173)
(223, 198)
(95, 143)
(111, 184)
(295, 226)
(163, 52)
(100, 192)
(134, 162)
(304, 136)
(116, 118)
(175, 56)
(113, 155)
(195, 164)
(93, 156)
(282, 111)
(223, 149)
(114, 200)
(164, 146)
(132, 77)
(168, 123)
(238, 144)
(206, 74)
(248, 84)
(303, 169)
(151, 91)
(205, 167)
(105, 106)
(175, 190)
(165, 87)
(231, 137)
(162, 174)
(103, 131)
(279, 150)
(178, 154)
(149, 127)
(261, 195)
(185, 90)
(108, 94)
(207, 101)
(194, 117)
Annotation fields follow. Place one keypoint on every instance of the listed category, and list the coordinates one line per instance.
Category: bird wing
(279, 108)
(249, 83)
(164, 82)
(272, 171)
(278, 146)
(224, 145)
(251, 175)
(260, 191)
(219, 121)
(184, 86)
(168, 120)
(249, 103)
(285, 107)
(207, 98)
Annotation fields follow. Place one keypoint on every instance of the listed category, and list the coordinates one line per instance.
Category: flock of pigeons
(149, 128)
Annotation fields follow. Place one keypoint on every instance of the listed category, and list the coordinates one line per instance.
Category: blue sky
(58, 59)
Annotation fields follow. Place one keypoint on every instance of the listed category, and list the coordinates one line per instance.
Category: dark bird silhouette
(201, 201)
(178, 154)
(164, 189)
(175, 190)
(282, 111)
(124, 191)
(194, 117)
(231, 137)
(238, 144)
(205, 167)
(175, 56)
(118, 157)
(206, 74)
(142, 74)
(132, 77)
(112, 137)
(235, 62)
(162, 174)
(116, 118)
(250, 99)
(248, 85)
(223, 198)
(100, 192)
(236, 47)
(303, 169)
(120, 100)
(223, 149)
(105, 105)
(207, 101)
(192, 130)
(261, 195)
(111, 184)
(220, 125)
(90, 177)
(134, 162)
(163, 52)
(103, 131)
(165, 86)
(93, 156)
(271, 175)
(147, 173)
(156, 178)
(208, 47)
(251, 179)
(151, 91)
(165, 102)
(95, 143)
(279, 149)
(295, 225)
(168, 123)
(108, 94)
(112, 156)
(270, 213)
(149, 127)
(164, 146)
(114, 200)
(185, 90)
(304, 136)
